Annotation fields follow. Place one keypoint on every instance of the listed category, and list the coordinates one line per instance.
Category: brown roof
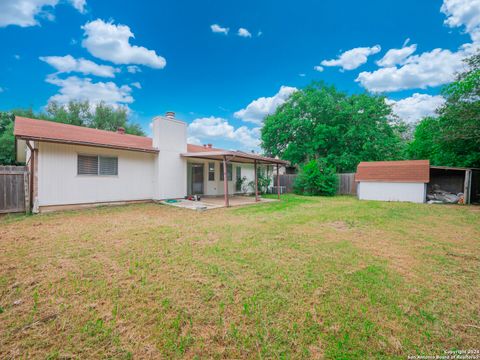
(394, 171)
(50, 131)
(201, 148)
(200, 152)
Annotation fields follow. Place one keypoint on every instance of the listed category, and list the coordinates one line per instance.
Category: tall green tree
(453, 138)
(7, 140)
(320, 122)
(99, 116)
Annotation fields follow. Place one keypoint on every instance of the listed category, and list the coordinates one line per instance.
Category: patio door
(197, 179)
(238, 177)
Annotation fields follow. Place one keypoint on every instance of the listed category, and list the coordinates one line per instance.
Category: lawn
(306, 277)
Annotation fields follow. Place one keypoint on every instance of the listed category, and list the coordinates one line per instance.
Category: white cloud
(397, 56)
(193, 140)
(74, 88)
(244, 33)
(210, 128)
(463, 13)
(79, 5)
(428, 69)
(256, 111)
(111, 42)
(218, 29)
(133, 69)
(353, 58)
(318, 68)
(25, 13)
(302, 75)
(249, 138)
(416, 107)
(67, 63)
(136, 84)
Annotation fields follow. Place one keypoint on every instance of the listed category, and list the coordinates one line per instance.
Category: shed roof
(415, 171)
(50, 131)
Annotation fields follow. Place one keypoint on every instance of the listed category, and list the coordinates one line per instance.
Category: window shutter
(108, 165)
(87, 165)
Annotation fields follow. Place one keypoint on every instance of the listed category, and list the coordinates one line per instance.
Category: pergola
(238, 157)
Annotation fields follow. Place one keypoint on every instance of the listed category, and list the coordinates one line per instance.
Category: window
(97, 165)
(87, 165)
(229, 172)
(211, 171)
(238, 177)
(108, 165)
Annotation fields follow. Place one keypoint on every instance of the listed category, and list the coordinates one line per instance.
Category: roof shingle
(394, 171)
(51, 131)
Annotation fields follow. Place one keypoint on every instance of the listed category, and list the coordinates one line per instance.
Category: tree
(316, 178)
(321, 122)
(99, 116)
(7, 140)
(453, 139)
(74, 113)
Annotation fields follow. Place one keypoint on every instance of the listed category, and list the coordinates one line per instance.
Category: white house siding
(392, 191)
(170, 138)
(59, 183)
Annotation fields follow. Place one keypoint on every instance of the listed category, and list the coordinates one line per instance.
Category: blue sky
(222, 83)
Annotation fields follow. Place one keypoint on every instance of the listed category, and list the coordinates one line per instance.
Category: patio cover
(227, 156)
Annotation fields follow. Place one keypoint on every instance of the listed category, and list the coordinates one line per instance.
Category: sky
(222, 66)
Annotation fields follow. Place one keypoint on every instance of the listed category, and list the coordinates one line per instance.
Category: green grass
(306, 277)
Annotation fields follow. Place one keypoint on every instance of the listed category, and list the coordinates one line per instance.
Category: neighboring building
(412, 180)
(73, 165)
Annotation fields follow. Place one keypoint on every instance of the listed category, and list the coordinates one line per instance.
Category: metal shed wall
(392, 191)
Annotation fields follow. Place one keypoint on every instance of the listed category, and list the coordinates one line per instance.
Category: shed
(412, 180)
(393, 180)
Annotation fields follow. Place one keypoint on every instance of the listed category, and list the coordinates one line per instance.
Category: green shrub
(263, 183)
(316, 178)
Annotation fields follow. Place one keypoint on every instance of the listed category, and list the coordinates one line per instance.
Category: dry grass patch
(303, 278)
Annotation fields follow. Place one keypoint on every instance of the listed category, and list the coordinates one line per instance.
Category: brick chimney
(209, 146)
(121, 130)
(170, 114)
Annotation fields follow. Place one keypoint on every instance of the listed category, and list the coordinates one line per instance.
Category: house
(77, 166)
(412, 180)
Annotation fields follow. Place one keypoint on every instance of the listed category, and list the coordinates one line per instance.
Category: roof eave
(233, 154)
(82, 143)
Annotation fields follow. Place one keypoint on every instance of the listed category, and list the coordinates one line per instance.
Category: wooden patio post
(256, 180)
(278, 181)
(225, 181)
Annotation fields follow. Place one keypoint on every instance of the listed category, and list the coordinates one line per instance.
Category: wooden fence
(286, 183)
(346, 183)
(13, 189)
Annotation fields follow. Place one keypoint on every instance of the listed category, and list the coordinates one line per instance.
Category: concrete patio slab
(214, 202)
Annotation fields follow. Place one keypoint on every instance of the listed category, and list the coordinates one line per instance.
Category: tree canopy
(453, 138)
(99, 116)
(320, 122)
